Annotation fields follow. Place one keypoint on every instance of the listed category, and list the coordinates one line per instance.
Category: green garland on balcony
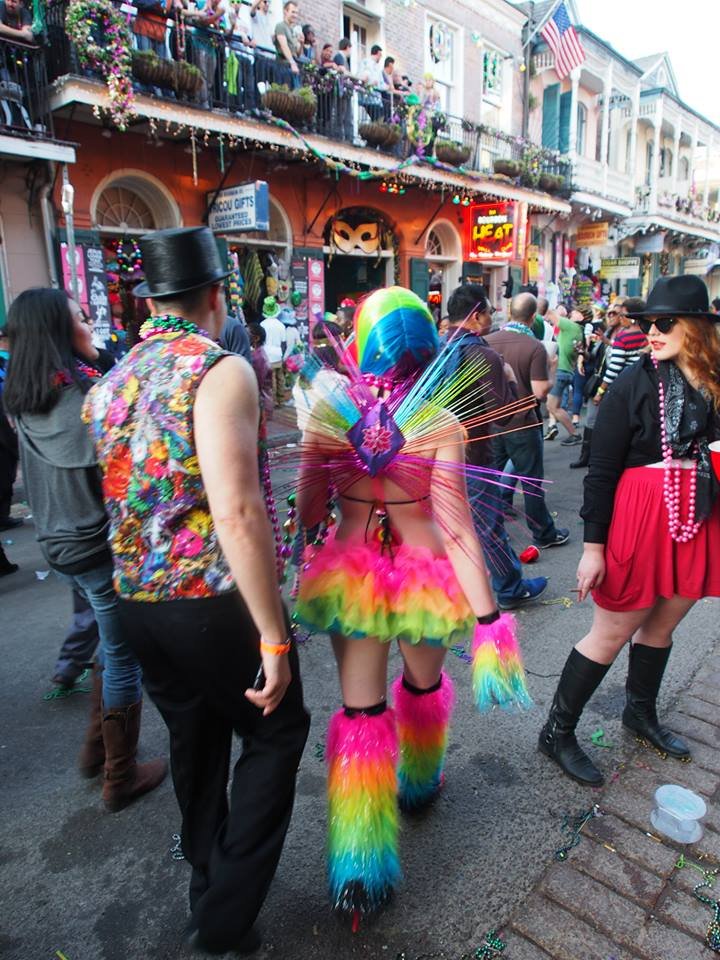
(103, 43)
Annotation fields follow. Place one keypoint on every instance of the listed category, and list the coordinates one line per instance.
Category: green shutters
(551, 117)
(419, 277)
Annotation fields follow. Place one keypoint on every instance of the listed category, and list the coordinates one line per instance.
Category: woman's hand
(277, 680)
(591, 569)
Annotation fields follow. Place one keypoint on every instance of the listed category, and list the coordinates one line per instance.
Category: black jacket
(626, 434)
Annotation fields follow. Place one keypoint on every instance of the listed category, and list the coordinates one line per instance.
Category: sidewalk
(282, 428)
(619, 894)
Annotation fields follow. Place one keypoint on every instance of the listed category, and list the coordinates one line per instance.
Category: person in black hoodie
(652, 520)
(50, 371)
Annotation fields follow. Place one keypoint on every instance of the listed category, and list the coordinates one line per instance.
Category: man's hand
(277, 680)
(294, 67)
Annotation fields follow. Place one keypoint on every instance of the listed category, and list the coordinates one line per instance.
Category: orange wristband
(275, 649)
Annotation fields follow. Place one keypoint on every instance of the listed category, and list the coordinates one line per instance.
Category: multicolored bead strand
(681, 532)
(168, 323)
(271, 507)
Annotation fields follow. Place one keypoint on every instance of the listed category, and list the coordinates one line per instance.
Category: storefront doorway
(359, 254)
(352, 277)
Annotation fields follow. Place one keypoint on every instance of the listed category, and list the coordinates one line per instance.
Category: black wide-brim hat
(176, 261)
(685, 296)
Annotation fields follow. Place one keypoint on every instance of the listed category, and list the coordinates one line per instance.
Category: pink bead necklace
(672, 479)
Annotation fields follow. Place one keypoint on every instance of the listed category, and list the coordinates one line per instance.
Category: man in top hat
(275, 345)
(175, 426)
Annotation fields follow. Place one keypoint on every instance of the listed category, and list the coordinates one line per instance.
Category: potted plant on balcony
(152, 70)
(381, 133)
(456, 154)
(508, 168)
(290, 105)
(187, 79)
(551, 182)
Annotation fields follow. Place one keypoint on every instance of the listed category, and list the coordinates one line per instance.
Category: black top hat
(175, 261)
(685, 296)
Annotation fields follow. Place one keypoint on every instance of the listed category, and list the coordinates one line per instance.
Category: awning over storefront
(601, 203)
(633, 226)
(71, 90)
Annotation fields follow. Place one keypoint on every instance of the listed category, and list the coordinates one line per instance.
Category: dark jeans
(525, 449)
(488, 507)
(80, 643)
(579, 381)
(198, 658)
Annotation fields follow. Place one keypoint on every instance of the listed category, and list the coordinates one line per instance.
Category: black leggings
(198, 658)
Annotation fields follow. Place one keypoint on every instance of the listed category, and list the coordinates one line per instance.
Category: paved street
(96, 886)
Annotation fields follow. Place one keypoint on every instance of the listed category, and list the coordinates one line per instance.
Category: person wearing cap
(652, 520)
(275, 344)
(175, 426)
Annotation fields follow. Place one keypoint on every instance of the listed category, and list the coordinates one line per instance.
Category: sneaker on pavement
(10, 523)
(551, 432)
(561, 536)
(531, 590)
(571, 440)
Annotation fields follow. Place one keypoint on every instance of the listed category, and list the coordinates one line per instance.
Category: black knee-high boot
(645, 673)
(579, 680)
(584, 459)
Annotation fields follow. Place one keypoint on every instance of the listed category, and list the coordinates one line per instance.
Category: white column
(693, 153)
(607, 94)
(657, 143)
(676, 158)
(634, 121)
(574, 87)
(708, 154)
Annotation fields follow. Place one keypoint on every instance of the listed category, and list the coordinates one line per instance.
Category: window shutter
(564, 134)
(419, 277)
(551, 117)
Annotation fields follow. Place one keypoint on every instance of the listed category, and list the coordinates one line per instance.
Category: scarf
(689, 420)
(514, 326)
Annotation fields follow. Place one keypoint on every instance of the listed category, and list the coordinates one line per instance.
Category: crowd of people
(152, 499)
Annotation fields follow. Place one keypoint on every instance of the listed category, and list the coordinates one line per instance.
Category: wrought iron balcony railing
(24, 105)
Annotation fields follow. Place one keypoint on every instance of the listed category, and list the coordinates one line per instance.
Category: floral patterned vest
(162, 536)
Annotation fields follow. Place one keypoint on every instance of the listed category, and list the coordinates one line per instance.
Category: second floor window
(442, 58)
(581, 129)
(684, 169)
(493, 62)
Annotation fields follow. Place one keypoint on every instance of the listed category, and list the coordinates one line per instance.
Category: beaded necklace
(63, 379)
(168, 323)
(681, 532)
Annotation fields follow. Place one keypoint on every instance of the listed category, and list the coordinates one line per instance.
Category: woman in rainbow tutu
(403, 563)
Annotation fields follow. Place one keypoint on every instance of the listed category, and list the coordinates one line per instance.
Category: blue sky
(688, 31)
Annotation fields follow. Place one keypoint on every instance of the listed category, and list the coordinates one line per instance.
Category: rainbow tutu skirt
(358, 591)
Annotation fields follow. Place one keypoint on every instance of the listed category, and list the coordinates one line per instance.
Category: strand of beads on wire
(681, 532)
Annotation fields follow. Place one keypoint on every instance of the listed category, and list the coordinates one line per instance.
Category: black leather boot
(580, 679)
(645, 673)
(584, 458)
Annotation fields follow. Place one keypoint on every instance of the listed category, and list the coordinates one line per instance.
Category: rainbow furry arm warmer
(498, 672)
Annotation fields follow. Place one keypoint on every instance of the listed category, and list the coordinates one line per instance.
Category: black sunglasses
(662, 324)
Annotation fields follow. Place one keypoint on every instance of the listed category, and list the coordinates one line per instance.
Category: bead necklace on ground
(168, 323)
(672, 479)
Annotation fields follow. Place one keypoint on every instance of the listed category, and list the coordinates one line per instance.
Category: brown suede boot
(125, 779)
(92, 752)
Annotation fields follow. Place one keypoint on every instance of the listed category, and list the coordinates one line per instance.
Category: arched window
(666, 162)
(649, 154)
(433, 247)
(133, 202)
(581, 129)
(684, 168)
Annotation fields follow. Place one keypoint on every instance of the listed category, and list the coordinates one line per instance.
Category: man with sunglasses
(626, 347)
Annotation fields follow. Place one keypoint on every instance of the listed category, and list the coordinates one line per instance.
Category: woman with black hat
(652, 517)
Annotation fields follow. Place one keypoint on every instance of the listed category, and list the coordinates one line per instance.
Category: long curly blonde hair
(701, 349)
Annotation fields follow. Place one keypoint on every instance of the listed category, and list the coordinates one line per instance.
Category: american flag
(564, 42)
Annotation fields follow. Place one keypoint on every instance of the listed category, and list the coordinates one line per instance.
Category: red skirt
(642, 560)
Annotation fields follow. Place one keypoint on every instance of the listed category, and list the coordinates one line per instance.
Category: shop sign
(592, 235)
(316, 288)
(620, 268)
(490, 233)
(533, 262)
(67, 273)
(244, 207)
(698, 266)
(97, 294)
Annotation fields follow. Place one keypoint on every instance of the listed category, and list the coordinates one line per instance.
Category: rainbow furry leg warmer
(423, 718)
(363, 864)
(498, 672)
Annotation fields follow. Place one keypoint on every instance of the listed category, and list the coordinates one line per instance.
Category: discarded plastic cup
(42, 574)
(677, 813)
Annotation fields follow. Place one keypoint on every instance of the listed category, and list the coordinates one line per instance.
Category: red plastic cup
(532, 553)
(715, 456)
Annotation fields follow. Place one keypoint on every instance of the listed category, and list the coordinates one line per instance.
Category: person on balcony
(16, 21)
(263, 30)
(240, 57)
(371, 73)
(308, 44)
(207, 15)
(287, 43)
(342, 57)
(150, 28)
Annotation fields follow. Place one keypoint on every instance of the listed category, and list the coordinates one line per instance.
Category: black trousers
(198, 658)
(8, 464)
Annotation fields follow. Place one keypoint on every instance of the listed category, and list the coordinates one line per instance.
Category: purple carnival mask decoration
(376, 438)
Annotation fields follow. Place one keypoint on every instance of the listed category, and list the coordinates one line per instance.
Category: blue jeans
(525, 449)
(563, 380)
(579, 381)
(487, 504)
(122, 676)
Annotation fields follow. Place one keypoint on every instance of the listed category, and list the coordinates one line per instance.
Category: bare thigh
(652, 626)
(423, 663)
(362, 666)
